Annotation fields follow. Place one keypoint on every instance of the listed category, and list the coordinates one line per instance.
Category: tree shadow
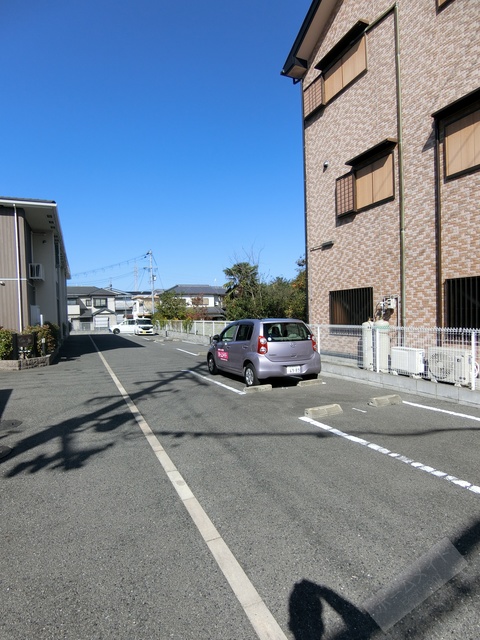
(78, 345)
(103, 415)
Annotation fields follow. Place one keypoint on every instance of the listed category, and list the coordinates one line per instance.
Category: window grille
(462, 303)
(313, 97)
(351, 306)
(345, 194)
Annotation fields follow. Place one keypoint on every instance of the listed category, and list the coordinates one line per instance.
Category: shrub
(49, 331)
(6, 343)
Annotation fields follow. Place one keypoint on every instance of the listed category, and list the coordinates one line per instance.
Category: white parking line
(261, 619)
(397, 456)
(189, 352)
(220, 384)
(450, 413)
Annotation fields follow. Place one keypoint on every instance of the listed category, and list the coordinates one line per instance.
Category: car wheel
(116, 331)
(212, 367)
(250, 375)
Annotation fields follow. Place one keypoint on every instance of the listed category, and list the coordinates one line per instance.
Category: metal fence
(198, 331)
(437, 354)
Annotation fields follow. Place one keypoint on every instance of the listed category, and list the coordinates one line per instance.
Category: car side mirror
(215, 338)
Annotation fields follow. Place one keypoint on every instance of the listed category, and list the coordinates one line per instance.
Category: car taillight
(314, 343)
(262, 346)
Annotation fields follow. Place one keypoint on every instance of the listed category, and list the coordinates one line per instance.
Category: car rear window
(286, 331)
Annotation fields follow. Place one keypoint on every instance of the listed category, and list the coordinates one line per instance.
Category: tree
(170, 307)
(198, 311)
(298, 304)
(243, 291)
(276, 298)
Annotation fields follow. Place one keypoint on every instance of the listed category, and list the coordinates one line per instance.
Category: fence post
(474, 367)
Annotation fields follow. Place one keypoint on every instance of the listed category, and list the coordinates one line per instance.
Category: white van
(140, 326)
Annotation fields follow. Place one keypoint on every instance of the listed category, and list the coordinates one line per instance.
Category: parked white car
(140, 326)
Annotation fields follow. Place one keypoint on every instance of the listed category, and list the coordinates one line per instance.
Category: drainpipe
(307, 288)
(438, 219)
(17, 253)
(401, 184)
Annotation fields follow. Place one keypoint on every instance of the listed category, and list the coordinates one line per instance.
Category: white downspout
(19, 288)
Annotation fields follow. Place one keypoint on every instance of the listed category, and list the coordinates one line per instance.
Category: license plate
(293, 370)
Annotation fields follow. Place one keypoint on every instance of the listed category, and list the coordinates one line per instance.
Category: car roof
(267, 320)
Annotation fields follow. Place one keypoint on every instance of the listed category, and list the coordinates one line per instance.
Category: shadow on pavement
(308, 599)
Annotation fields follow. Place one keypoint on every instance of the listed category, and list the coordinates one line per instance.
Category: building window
(313, 97)
(352, 63)
(462, 303)
(351, 306)
(462, 144)
(370, 182)
(88, 302)
(374, 183)
(71, 302)
(99, 302)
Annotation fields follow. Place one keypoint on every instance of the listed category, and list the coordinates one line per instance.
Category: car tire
(212, 367)
(116, 331)
(250, 375)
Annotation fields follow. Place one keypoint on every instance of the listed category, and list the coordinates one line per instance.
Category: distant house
(208, 299)
(91, 308)
(143, 303)
(123, 302)
(33, 265)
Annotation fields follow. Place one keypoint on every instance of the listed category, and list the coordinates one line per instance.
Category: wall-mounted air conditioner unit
(407, 361)
(448, 364)
(35, 271)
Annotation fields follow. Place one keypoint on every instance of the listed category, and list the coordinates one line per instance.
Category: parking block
(383, 401)
(259, 387)
(324, 410)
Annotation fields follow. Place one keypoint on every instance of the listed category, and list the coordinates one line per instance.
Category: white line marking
(220, 384)
(450, 413)
(189, 352)
(361, 410)
(417, 465)
(261, 619)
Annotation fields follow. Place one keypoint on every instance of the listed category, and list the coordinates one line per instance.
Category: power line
(111, 266)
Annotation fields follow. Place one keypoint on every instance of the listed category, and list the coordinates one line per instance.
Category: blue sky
(157, 126)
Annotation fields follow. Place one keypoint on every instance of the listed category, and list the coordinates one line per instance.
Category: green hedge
(6, 343)
(49, 331)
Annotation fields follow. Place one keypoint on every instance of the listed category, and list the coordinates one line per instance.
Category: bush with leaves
(49, 331)
(6, 343)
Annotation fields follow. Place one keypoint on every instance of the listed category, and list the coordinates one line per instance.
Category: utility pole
(152, 279)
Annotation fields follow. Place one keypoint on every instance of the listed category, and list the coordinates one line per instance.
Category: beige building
(391, 115)
(33, 265)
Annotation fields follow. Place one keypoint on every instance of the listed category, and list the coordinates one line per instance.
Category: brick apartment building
(391, 114)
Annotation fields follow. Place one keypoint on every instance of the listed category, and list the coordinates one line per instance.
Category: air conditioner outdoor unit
(407, 360)
(448, 364)
(35, 271)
